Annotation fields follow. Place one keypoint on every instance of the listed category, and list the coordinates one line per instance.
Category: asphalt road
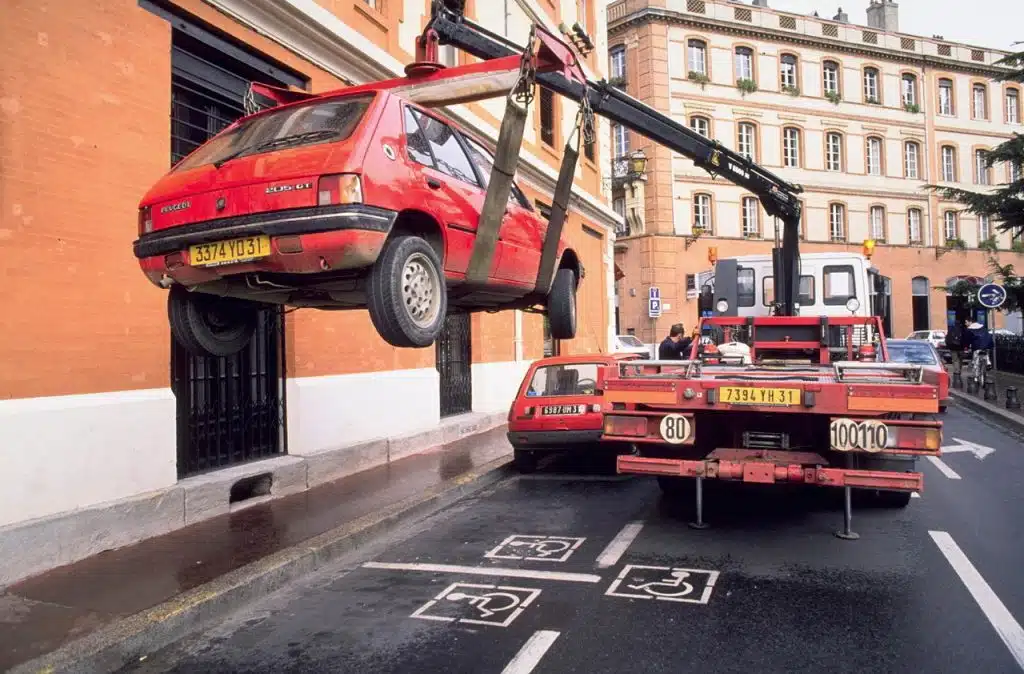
(936, 587)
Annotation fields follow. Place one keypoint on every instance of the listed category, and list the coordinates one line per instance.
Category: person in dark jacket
(676, 345)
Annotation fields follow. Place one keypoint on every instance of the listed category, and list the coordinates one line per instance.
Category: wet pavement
(41, 614)
(567, 571)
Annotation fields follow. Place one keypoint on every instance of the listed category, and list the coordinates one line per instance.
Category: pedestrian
(955, 343)
(676, 345)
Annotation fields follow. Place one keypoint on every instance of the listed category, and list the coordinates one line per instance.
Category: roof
(608, 358)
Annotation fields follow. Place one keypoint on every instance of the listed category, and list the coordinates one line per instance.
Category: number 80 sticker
(675, 429)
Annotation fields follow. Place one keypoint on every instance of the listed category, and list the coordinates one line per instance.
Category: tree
(1004, 205)
(1004, 274)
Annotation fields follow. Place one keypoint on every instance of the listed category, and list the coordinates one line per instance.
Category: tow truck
(778, 398)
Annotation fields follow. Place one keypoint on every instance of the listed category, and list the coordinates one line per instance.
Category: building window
(878, 223)
(750, 217)
(617, 62)
(979, 101)
(697, 57)
(950, 227)
(871, 80)
(833, 151)
(984, 228)
(830, 77)
(949, 163)
(909, 89)
(911, 154)
(837, 222)
(946, 96)
(744, 63)
(914, 225)
(1012, 106)
(873, 150)
(746, 140)
(1013, 171)
(620, 141)
(701, 125)
(980, 168)
(547, 116)
(788, 72)
(791, 146)
(919, 303)
(702, 213)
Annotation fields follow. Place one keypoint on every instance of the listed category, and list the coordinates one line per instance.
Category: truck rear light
(631, 426)
(145, 220)
(341, 188)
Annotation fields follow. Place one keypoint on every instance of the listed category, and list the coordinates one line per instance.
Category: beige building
(861, 116)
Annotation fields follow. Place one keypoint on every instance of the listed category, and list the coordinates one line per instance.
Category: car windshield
(564, 380)
(630, 340)
(916, 354)
(289, 127)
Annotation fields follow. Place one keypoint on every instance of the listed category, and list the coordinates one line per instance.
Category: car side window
(445, 147)
(485, 162)
(415, 142)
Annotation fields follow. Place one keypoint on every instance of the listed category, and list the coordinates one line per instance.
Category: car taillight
(617, 425)
(145, 220)
(341, 188)
(595, 408)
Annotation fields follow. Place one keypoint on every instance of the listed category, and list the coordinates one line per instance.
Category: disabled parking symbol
(493, 605)
(692, 586)
(536, 548)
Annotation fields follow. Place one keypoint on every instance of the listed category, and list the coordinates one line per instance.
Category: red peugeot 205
(559, 406)
(358, 198)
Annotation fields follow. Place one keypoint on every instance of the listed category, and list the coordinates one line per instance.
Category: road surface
(564, 572)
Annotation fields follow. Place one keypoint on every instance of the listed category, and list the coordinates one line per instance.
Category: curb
(126, 640)
(1013, 421)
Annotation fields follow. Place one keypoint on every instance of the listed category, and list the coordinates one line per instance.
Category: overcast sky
(985, 23)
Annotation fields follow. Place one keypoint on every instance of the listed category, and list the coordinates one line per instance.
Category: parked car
(630, 344)
(559, 406)
(920, 352)
(358, 198)
(936, 338)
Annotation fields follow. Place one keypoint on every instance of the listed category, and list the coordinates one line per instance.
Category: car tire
(407, 296)
(524, 460)
(562, 305)
(208, 325)
(942, 409)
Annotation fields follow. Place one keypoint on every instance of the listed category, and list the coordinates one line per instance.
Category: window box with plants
(912, 108)
(746, 86)
(792, 91)
(990, 244)
(872, 101)
(618, 82)
(834, 97)
(700, 78)
(956, 244)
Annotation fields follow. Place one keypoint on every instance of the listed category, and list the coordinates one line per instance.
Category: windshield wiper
(274, 143)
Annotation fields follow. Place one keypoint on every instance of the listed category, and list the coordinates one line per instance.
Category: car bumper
(322, 238)
(540, 439)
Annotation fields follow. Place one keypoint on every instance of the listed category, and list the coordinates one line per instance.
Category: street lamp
(637, 163)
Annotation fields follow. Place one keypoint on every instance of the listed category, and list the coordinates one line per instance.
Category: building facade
(863, 117)
(97, 404)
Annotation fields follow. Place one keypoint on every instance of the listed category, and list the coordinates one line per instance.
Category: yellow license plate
(742, 395)
(226, 252)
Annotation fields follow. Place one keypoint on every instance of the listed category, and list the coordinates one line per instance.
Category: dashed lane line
(613, 553)
(502, 572)
(944, 468)
(530, 654)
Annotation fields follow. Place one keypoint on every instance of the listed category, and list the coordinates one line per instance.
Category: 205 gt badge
(274, 189)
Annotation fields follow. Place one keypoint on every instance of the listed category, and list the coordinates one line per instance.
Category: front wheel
(407, 297)
(208, 325)
(562, 305)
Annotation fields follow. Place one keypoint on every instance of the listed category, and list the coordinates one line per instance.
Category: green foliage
(990, 244)
(699, 78)
(618, 82)
(956, 244)
(746, 86)
(792, 91)
(1002, 274)
(912, 108)
(834, 96)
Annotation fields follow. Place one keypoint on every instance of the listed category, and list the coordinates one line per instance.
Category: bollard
(972, 384)
(990, 390)
(1013, 402)
(958, 381)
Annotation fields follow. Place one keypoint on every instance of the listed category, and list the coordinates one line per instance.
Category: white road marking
(530, 654)
(692, 586)
(492, 605)
(487, 571)
(914, 494)
(536, 548)
(945, 469)
(613, 553)
(980, 451)
(1002, 620)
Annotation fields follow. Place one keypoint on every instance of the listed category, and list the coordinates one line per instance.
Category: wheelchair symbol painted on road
(478, 604)
(693, 586)
(536, 548)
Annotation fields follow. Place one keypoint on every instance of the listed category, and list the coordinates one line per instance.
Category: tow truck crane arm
(777, 196)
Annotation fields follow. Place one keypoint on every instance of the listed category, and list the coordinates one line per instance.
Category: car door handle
(433, 184)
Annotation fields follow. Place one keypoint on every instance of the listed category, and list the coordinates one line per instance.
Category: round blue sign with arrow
(991, 296)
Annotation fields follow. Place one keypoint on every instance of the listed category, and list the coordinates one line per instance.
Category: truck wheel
(562, 305)
(893, 499)
(208, 325)
(524, 460)
(407, 297)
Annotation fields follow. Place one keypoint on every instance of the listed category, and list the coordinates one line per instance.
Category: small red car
(920, 352)
(353, 199)
(559, 406)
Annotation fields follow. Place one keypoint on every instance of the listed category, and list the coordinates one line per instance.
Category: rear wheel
(407, 297)
(207, 325)
(893, 499)
(562, 305)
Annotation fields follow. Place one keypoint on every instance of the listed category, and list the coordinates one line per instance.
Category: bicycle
(979, 367)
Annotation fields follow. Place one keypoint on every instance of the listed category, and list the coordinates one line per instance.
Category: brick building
(97, 100)
(861, 116)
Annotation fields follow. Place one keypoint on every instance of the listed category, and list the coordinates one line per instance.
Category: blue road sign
(991, 296)
(654, 293)
(654, 307)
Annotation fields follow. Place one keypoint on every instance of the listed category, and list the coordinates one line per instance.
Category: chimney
(760, 3)
(841, 16)
(884, 15)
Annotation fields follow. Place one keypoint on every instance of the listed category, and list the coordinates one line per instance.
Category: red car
(353, 199)
(559, 406)
(920, 352)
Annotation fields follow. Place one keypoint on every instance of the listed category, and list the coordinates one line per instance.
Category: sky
(996, 24)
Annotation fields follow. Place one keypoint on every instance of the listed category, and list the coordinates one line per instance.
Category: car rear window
(564, 380)
(915, 354)
(630, 340)
(308, 124)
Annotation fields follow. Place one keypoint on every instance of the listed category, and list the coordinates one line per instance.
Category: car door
(437, 149)
(522, 229)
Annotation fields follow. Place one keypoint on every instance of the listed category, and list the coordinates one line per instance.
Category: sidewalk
(42, 614)
(994, 407)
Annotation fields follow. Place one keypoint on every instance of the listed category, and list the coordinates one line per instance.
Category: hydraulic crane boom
(777, 196)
